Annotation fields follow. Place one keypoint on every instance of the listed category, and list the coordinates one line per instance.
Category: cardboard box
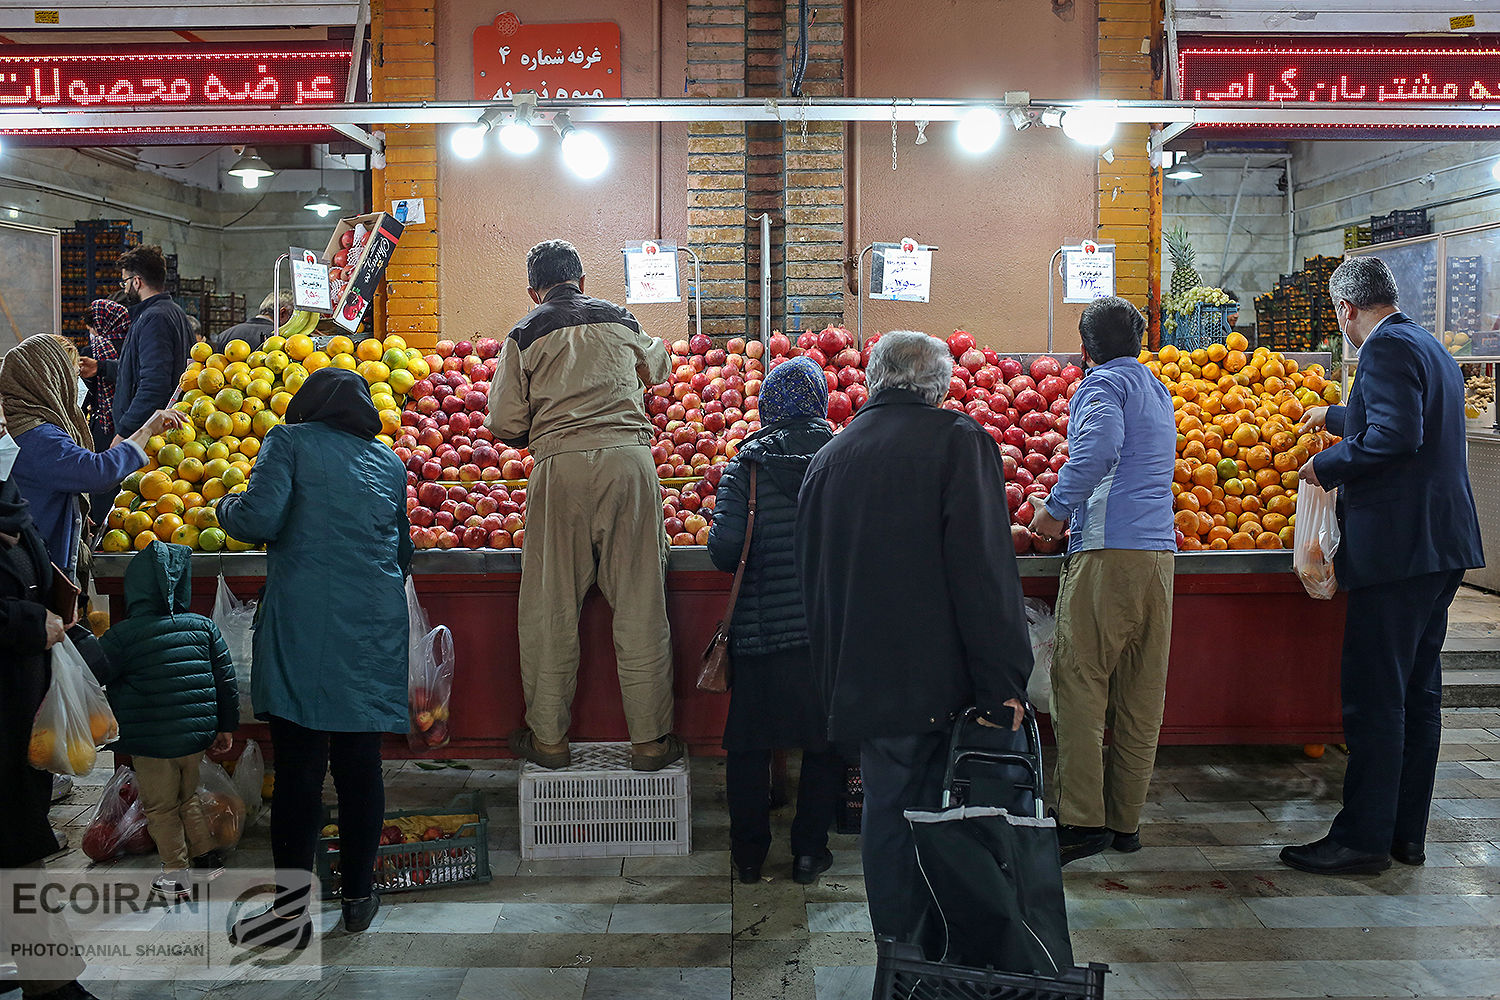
(383, 232)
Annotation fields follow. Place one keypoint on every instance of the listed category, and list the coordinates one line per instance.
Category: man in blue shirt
(1114, 602)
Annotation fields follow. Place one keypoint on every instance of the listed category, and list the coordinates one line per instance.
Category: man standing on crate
(910, 631)
(156, 348)
(1409, 529)
(1114, 598)
(570, 387)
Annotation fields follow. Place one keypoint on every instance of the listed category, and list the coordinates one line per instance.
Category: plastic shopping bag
(222, 805)
(74, 719)
(249, 776)
(1042, 625)
(429, 688)
(1316, 540)
(119, 824)
(235, 619)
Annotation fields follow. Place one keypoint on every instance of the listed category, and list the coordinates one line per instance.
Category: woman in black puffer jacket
(773, 702)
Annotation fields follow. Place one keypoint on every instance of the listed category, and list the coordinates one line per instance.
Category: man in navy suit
(1409, 531)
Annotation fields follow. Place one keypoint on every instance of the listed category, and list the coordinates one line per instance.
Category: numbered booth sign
(1088, 272)
(651, 273)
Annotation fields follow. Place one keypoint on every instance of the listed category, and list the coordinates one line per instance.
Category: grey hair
(1363, 281)
(288, 304)
(905, 359)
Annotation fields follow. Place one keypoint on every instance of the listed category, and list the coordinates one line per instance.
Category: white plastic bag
(1316, 540)
(1042, 625)
(74, 719)
(429, 678)
(222, 806)
(249, 775)
(235, 618)
(119, 824)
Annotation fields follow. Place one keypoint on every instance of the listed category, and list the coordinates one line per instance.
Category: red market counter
(1254, 659)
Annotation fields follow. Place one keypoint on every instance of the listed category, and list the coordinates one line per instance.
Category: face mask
(8, 452)
(83, 391)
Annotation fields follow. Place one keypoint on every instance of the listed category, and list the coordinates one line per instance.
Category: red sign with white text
(142, 78)
(557, 61)
(1367, 69)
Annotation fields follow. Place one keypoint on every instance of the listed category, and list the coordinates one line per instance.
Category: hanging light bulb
(468, 141)
(322, 203)
(1184, 169)
(1495, 170)
(250, 168)
(518, 136)
(979, 129)
(1090, 125)
(583, 152)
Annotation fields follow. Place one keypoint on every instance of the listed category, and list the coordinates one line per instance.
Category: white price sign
(651, 273)
(901, 272)
(310, 282)
(1088, 272)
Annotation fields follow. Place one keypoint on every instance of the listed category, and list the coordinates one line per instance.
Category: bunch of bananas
(302, 322)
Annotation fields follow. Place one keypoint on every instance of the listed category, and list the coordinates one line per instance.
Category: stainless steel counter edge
(693, 558)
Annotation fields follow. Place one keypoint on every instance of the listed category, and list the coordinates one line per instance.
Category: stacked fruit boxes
(1464, 320)
(223, 311)
(1399, 225)
(1325, 322)
(90, 268)
(1357, 236)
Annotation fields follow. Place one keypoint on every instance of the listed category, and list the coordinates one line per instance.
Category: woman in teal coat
(329, 502)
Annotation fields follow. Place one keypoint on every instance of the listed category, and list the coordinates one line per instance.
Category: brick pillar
(402, 34)
(1128, 187)
(717, 153)
(814, 179)
(765, 76)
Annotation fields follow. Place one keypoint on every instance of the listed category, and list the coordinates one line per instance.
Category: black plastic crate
(901, 973)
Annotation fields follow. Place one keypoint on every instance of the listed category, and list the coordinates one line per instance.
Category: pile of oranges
(1239, 441)
(233, 400)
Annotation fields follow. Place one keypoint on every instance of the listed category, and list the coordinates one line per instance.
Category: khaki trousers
(1109, 668)
(174, 816)
(595, 517)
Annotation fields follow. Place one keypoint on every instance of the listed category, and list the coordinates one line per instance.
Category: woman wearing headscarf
(107, 323)
(28, 631)
(56, 466)
(773, 703)
(329, 502)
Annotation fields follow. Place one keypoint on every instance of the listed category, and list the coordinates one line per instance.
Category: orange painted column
(1129, 190)
(405, 69)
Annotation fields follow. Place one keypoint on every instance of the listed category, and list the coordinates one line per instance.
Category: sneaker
(208, 866)
(172, 887)
(62, 787)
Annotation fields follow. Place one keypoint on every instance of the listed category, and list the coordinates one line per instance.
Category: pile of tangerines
(1239, 441)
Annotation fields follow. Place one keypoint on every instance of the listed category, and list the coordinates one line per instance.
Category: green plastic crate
(460, 859)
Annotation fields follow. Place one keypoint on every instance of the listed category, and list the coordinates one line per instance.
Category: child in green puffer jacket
(171, 683)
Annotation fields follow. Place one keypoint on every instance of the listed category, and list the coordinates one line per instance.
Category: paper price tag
(901, 272)
(651, 273)
(310, 282)
(1088, 272)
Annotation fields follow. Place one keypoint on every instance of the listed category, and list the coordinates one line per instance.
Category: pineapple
(1184, 275)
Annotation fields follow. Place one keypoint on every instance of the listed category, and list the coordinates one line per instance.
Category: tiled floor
(1204, 910)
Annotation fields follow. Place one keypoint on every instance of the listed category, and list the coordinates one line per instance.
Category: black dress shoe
(748, 874)
(1324, 857)
(1408, 853)
(807, 867)
(1075, 842)
(1126, 843)
(358, 913)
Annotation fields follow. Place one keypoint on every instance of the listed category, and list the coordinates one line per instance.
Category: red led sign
(160, 77)
(1332, 70)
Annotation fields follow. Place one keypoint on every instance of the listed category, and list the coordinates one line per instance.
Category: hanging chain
(893, 137)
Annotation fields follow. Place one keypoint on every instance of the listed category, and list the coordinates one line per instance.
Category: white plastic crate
(599, 808)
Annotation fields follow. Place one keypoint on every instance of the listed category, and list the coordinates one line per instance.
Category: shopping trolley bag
(989, 857)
